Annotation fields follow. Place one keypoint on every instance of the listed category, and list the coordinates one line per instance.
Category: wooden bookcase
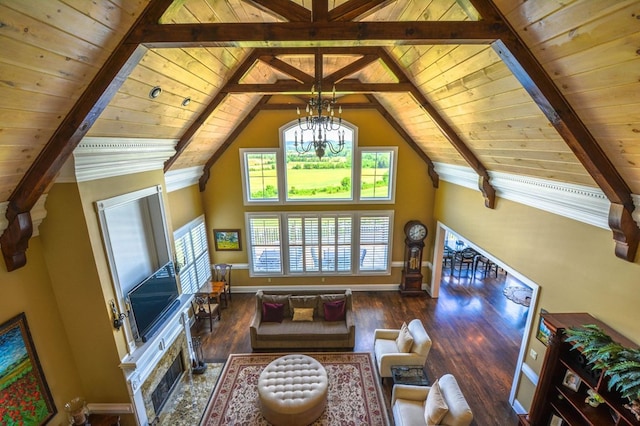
(552, 397)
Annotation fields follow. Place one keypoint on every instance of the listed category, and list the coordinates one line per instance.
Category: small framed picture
(227, 239)
(543, 331)
(571, 380)
(555, 421)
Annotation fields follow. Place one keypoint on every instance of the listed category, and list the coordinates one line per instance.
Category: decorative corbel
(488, 191)
(15, 239)
(625, 231)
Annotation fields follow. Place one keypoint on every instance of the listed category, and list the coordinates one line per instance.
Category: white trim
(98, 158)
(530, 374)
(182, 178)
(109, 408)
(578, 202)
(320, 287)
(518, 408)
(3, 216)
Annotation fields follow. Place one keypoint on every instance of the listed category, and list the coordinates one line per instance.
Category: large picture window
(329, 243)
(287, 176)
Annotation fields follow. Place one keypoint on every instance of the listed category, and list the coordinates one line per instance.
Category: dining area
(459, 257)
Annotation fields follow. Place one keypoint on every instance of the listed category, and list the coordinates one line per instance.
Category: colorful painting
(24, 395)
(227, 239)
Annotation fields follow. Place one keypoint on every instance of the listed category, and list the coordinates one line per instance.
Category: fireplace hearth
(166, 385)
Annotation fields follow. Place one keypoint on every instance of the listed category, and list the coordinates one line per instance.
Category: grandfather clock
(415, 233)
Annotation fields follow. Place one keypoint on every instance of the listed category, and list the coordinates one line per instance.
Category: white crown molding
(182, 178)
(99, 158)
(38, 213)
(582, 203)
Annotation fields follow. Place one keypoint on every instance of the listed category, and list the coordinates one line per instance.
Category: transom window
(330, 243)
(283, 175)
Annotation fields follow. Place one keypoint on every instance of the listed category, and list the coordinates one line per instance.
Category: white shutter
(265, 250)
(192, 255)
(374, 243)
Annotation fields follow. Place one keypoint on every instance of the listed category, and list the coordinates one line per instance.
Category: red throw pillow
(272, 312)
(334, 311)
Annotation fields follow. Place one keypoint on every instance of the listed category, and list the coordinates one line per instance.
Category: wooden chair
(222, 272)
(464, 259)
(447, 258)
(485, 265)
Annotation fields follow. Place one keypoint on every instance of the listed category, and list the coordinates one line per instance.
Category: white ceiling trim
(582, 203)
(99, 158)
(182, 178)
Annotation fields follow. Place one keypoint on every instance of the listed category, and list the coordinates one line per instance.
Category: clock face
(417, 232)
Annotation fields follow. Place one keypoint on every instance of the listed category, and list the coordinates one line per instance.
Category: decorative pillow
(324, 298)
(272, 312)
(334, 311)
(303, 302)
(279, 298)
(404, 341)
(303, 314)
(435, 407)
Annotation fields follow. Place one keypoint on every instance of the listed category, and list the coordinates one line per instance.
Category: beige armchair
(387, 353)
(412, 405)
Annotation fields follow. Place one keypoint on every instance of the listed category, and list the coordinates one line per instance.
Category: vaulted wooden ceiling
(535, 88)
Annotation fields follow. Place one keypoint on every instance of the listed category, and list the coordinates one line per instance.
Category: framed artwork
(227, 239)
(543, 331)
(24, 392)
(555, 421)
(571, 380)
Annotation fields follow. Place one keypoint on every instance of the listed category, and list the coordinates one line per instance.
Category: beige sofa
(316, 334)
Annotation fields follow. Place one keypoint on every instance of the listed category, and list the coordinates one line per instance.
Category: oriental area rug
(354, 393)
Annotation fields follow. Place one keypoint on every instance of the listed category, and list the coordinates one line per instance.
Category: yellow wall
(572, 262)
(223, 201)
(185, 205)
(29, 290)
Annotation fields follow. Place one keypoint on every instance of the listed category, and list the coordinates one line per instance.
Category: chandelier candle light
(316, 121)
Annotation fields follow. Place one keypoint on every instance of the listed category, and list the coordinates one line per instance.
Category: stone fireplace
(158, 364)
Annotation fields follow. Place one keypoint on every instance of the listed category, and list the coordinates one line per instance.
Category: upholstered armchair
(387, 352)
(442, 404)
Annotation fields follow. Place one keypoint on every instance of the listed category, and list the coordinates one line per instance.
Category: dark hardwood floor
(476, 333)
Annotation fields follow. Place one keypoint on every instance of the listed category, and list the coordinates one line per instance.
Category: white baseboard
(100, 408)
(327, 287)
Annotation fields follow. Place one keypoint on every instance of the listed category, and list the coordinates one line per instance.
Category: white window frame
(283, 246)
(391, 198)
(246, 190)
(193, 274)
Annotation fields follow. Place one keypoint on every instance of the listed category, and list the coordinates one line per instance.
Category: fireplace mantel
(138, 365)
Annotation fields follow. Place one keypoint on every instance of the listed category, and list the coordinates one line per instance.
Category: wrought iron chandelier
(320, 125)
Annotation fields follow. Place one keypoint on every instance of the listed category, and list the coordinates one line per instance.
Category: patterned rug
(518, 294)
(354, 394)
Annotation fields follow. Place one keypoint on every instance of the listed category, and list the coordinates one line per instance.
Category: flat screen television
(153, 300)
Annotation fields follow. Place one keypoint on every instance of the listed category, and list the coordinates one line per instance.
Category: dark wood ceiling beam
(488, 192)
(353, 67)
(206, 172)
(431, 170)
(286, 9)
(319, 10)
(537, 82)
(290, 70)
(186, 137)
(75, 125)
(293, 87)
(356, 9)
(279, 51)
(297, 34)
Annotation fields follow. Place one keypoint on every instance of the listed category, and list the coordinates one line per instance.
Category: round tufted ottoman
(293, 390)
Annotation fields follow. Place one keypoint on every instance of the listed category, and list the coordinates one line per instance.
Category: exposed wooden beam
(488, 192)
(291, 71)
(537, 82)
(185, 139)
(68, 135)
(290, 86)
(319, 10)
(356, 9)
(228, 141)
(318, 34)
(431, 170)
(286, 9)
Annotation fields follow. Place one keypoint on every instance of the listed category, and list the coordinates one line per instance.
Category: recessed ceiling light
(155, 92)
(186, 101)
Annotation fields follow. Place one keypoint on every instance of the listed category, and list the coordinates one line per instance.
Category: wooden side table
(205, 297)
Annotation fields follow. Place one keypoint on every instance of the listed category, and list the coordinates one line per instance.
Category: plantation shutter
(264, 239)
(375, 239)
(192, 255)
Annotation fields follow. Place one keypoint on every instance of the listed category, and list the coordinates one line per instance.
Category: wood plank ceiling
(536, 88)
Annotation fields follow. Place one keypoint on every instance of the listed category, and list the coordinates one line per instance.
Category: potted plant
(620, 364)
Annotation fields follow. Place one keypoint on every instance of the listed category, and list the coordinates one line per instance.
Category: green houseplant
(620, 364)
